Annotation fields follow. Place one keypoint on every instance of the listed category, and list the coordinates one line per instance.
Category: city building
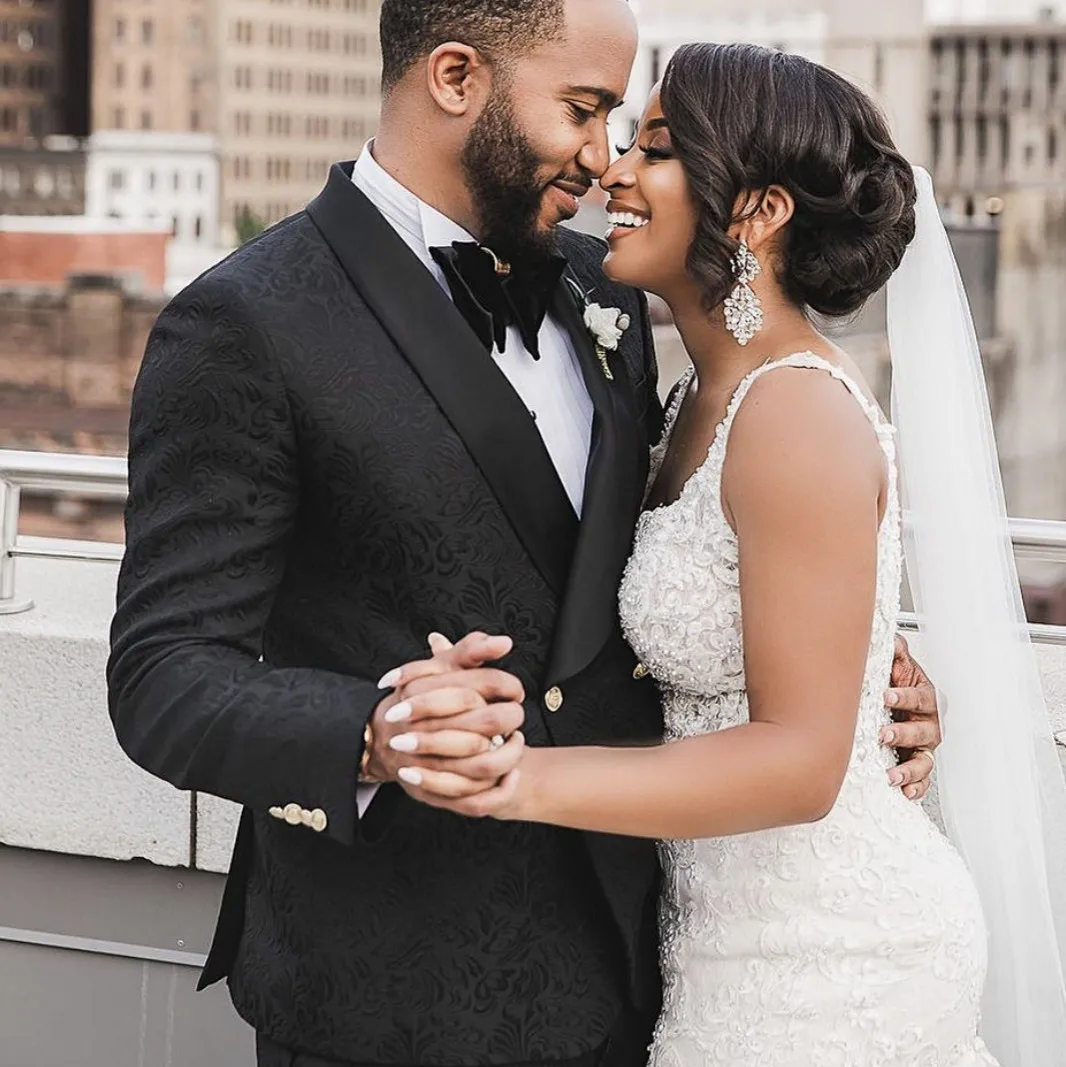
(299, 88)
(997, 111)
(154, 66)
(285, 87)
(152, 179)
(46, 251)
(970, 11)
(43, 179)
(882, 47)
(44, 69)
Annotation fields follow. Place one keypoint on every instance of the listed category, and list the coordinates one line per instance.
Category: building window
(116, 180)
(120, 29)
(196, 30)
(198, 227)
(147, 31)
(177, 181)
(194, 121)
(174, 227)
(150, 180)
(119, 118)
(199, 181)
(146, 76)
(120, 75)
(146, 120)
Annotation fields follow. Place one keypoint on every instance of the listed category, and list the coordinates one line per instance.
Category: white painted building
(148, 178)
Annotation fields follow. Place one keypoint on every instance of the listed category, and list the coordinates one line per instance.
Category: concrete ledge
(68, 787)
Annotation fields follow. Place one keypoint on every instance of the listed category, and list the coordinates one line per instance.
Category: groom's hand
(448, 714)
(915, 733)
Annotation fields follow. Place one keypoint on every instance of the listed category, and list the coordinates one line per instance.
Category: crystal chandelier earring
(743, 312)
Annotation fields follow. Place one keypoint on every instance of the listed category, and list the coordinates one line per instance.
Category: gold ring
(928, 752)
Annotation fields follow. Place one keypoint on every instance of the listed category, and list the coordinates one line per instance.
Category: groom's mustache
(577, 184)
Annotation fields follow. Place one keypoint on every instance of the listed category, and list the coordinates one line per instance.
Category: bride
(810, 914)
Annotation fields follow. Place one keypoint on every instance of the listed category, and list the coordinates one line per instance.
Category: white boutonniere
(606, 325)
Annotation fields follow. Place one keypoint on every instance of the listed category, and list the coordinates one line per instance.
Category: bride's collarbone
(687, 449)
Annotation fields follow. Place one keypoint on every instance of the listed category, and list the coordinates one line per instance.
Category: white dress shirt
(552, 388)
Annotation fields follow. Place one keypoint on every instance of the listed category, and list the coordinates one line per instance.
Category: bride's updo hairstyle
(743, 118)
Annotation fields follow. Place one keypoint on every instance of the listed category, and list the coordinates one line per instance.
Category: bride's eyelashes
(652, 153)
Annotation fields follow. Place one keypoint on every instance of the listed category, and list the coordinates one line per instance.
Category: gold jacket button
(293, 813)
(318, 820)
(553, 699)
(277, 813)
(640, 671)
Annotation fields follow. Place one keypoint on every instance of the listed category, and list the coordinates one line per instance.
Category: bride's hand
(510, 799)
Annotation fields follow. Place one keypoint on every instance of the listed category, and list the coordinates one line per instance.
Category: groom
(361, 428)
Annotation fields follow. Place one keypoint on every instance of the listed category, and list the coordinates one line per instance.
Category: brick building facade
(68, 360)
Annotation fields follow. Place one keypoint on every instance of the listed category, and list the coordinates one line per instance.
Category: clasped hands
(450, 731)
(451, 727)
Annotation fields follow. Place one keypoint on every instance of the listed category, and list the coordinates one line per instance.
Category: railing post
(9, 528)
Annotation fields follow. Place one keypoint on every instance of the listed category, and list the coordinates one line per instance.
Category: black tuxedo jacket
(325, 466)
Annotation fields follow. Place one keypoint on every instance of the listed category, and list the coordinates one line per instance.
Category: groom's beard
(501, 170)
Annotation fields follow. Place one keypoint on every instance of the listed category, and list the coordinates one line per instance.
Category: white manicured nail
(389, 680)
(404, 743)
(399, 712)
(410, 775)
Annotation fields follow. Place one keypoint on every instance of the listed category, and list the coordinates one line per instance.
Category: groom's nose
(595, 155)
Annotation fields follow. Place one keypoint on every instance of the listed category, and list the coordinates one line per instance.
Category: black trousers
(626, 1049)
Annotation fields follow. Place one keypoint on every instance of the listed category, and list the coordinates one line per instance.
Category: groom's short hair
(498, 29)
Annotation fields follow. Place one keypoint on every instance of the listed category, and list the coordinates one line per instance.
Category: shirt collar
(402, 208)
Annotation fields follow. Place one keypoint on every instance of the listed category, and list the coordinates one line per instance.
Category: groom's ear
(458, 79)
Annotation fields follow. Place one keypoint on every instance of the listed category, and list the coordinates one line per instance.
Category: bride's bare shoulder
(800, 430)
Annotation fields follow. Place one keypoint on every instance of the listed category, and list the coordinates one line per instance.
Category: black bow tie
(492, 295)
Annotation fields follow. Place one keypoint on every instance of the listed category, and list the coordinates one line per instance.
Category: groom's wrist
(368, 774)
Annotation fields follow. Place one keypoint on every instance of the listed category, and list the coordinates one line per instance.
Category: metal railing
(107, 476)
(51, 472)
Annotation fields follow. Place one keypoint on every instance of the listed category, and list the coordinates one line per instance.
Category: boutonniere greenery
(605, 324)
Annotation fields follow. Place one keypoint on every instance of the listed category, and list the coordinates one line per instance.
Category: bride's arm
(803, 495)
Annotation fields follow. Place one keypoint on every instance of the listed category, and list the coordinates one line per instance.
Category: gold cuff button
(277, 813)
(293, 814)
(553, 699)
(318, 820)
(640, 672)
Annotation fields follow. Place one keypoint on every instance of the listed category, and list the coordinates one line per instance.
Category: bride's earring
(743, 312)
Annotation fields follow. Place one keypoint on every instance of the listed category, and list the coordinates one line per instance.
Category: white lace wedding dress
(857, 941)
